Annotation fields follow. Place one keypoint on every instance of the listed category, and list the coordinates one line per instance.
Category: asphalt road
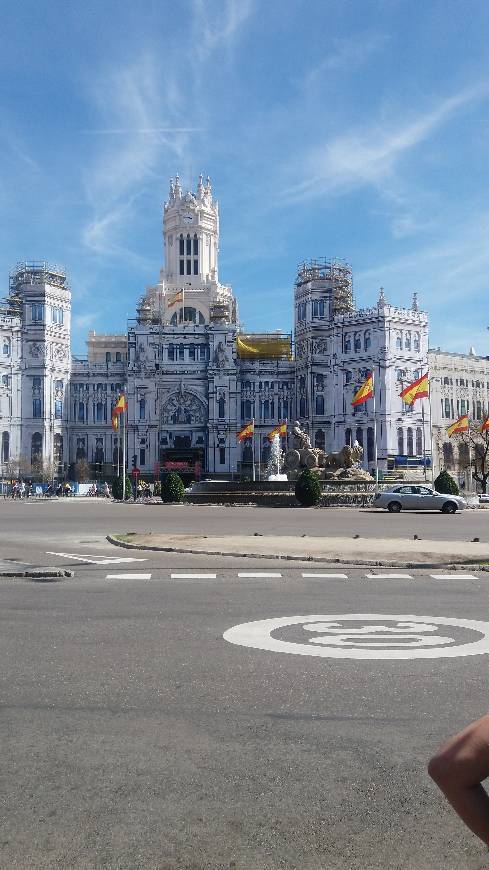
(134, 735)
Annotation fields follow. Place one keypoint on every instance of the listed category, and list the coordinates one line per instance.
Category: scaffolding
(334, 275)
(264, 345)
(36, 272)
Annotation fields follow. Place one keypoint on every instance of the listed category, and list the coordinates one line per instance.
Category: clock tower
(191, 236)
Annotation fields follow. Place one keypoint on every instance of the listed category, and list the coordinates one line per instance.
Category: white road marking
(366, 636)
(259, 574)
(454, 577)
(193, 576)
(327, 576)
(388, 576)
(128, 577)
(94, 560)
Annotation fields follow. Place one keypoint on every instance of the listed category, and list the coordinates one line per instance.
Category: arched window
(448, 454)
(266, 409)
(370, 444)
(196, 245)
(407, 340)
(416, 341)
(99, 456)
(182, 245)
(319, 439)
(478, 411)
(359, 435)
(36, 448)
(410, 444)
(463, 455)
(108, 357)
(100, 412)
(142, 409)
(5, 446)
(357, 341)
(319, 404)
(367, 340)
(118, 357)
(320, 382)
(348, 440)
(446, 380)
(189, 245)
(221, 408)
(347, 342)
(398, 340)
(248, 413)
(6, 347)
(419, 441)
(302, 407)
(400, 442)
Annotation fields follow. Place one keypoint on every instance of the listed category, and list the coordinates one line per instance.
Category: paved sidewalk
(359, 551)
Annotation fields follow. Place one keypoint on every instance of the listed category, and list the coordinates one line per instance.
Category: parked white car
(418, 498)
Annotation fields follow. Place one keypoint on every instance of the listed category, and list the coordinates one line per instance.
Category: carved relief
(183, 408)
(37, 349)
(220, 358)
(60, 352)
(320, 346)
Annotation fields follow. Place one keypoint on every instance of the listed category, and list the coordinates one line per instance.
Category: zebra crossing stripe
(258, 574)
(388, 576)
(128, 577)
(454, 577)
(193, 576)
(326, 576)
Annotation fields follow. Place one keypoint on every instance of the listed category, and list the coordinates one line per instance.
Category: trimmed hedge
(172, 488)
(445, 483)
(308, 488)
(117, 488)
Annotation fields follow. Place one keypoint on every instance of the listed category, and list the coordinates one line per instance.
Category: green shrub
(157, 488)
(117, 488)
(172, 488)
(308, 488)
(445, 483)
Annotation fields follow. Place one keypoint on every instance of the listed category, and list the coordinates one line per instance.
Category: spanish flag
(365, 392)
(417, 390)
(281, 430)
(460, 425)
(484, 427)
(119, 407)
(246, 431)
(177, 297)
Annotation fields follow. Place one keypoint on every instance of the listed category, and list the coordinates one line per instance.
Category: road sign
(135, 472)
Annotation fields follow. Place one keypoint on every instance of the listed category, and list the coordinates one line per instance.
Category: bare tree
(11, 468)
(82, 470)
(478, 444)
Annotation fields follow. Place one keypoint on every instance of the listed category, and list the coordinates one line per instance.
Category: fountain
(275, 460)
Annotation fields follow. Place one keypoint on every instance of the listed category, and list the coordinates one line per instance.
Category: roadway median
(360, 551)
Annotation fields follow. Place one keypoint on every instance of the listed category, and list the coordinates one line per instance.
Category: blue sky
(357, 129)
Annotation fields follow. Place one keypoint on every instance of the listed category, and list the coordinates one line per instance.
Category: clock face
(188, 218)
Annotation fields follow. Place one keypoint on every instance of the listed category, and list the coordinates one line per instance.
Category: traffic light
(134, 460)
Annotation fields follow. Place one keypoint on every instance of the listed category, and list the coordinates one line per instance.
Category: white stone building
(193, 378)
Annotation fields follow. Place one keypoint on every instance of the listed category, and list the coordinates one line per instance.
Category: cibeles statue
(345, 464)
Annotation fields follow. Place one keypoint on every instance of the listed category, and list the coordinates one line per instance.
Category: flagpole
(253, 446)
(376, 457)
(431, 438)
(124, 450)
(424, 441)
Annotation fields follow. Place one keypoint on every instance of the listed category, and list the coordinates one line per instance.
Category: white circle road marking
(371, 640)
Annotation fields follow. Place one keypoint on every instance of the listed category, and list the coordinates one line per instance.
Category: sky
(356, 129)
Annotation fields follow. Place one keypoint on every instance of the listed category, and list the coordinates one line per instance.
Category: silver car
(418, 498)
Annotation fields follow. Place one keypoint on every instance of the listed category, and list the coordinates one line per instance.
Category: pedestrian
(459, 768)
(106, 490)
(22, 489)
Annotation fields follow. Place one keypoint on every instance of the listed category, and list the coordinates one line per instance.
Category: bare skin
(459, 768)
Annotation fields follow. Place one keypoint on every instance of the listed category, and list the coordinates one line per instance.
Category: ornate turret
(382, 302)
(414, 306)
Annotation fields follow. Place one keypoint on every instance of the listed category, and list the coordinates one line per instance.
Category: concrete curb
(40, 573)
(320, 559)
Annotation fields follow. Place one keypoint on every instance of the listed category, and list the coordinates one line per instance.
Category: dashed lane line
(389, 576)
(128, 577)
(259, 574)
(193, 576)
(453, 577)
(325, 576)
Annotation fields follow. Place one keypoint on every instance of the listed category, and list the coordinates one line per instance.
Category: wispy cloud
(347, 54)
(218, 24)
(370, 156)
(136, 95)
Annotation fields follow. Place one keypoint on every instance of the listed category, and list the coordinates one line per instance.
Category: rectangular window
(171, 352)
(181, 352)
(58, 409)
(222, 456)
(182, 267)
(81, 412)
(57, 316)
(36, 407)
(142, 456)
(203, 351)
(189, 267)
(196, 267)
(36, 382)
(191, 351)
(37, 312)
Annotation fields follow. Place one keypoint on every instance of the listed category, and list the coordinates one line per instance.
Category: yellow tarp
(259, 346)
